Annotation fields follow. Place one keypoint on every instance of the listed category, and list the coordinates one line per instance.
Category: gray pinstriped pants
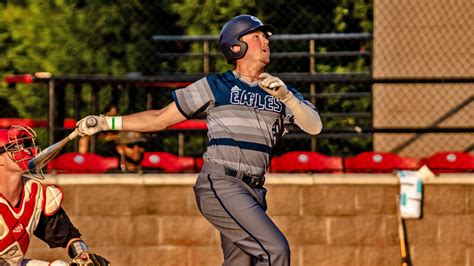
(248, 235)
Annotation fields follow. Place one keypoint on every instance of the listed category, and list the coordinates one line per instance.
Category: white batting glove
(275, 87)
(94, 124)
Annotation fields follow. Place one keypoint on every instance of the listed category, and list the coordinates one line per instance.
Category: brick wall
(328, 220)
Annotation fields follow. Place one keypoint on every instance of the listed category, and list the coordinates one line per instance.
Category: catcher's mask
(236, 28)
(19, 143)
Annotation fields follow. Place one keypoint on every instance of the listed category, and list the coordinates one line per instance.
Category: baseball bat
(46, 155)
(402, 236)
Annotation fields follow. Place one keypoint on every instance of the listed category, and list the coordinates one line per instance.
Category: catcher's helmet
(20, 144)
(236, 28)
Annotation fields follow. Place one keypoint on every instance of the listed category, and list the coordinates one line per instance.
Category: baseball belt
(252, 181)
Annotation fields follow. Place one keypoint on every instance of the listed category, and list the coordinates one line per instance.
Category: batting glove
(275, 87)
(93, 124)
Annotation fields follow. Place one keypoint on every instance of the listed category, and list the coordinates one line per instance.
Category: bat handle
(90, 122)
(73, 134)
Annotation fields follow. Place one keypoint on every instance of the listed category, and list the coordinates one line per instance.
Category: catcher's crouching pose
(248, 110)
(28, 207)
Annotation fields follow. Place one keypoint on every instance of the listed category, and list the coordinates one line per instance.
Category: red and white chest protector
(17, 224)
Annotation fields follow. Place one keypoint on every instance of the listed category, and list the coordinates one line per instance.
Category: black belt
(252, 181)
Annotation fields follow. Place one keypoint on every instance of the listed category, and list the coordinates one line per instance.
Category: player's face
(10, 165)
(258, 47)
(20, 145)
(134, 151)
(23, 154)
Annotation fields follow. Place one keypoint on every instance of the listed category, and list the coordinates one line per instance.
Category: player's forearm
(152, 120)
(306, 117)
(145, 121)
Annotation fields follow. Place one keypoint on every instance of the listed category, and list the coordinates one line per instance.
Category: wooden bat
(46, 155)
(402, 236)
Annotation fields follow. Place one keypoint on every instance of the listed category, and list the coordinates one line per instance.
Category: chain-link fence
(392, 76)
(429, 44)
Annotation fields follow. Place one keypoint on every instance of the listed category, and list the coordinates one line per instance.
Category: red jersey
(18, 223)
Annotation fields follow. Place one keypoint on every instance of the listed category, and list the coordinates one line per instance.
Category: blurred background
(403, 87)
(393, 81)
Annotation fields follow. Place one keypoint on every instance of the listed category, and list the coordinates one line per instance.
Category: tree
(77, 37)
(67, 37)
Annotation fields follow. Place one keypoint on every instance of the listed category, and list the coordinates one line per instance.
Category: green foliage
(206, 17)
(67, 37)
(75, 37)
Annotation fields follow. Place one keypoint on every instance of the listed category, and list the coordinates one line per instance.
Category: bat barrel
(46, 155)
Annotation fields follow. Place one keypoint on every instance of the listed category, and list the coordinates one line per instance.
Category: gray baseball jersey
(244, 122)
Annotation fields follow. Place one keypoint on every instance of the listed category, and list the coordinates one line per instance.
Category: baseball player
(28, 207)
(247, 110)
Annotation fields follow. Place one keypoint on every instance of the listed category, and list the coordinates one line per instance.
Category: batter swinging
(247, 110)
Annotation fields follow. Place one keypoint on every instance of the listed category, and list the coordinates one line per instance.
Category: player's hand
(274, 86)
(89, 259)
(85, 126)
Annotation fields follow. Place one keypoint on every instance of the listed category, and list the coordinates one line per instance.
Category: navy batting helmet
(234, 29)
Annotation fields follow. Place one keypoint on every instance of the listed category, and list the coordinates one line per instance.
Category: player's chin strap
(75, 247)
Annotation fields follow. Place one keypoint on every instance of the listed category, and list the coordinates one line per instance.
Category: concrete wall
(328, 219)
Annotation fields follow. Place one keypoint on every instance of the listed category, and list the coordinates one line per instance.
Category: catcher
(28, 207)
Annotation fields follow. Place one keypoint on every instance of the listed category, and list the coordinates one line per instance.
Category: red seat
(199, 163)
(378, 162)
(449, 162)
(306, 161)
(168, 162)
(74, 162)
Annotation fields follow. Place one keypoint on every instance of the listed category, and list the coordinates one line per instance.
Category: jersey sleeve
(289, 117)
(194, 99)
(56, 230)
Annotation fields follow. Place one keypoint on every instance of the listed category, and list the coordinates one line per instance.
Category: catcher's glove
(89, 259)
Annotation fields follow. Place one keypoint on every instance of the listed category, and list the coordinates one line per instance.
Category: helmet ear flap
(243, 50)
(232, 55)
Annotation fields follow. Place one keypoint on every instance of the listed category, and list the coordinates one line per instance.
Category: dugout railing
(59, 86)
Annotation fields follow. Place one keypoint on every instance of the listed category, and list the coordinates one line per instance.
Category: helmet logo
(255, 19)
